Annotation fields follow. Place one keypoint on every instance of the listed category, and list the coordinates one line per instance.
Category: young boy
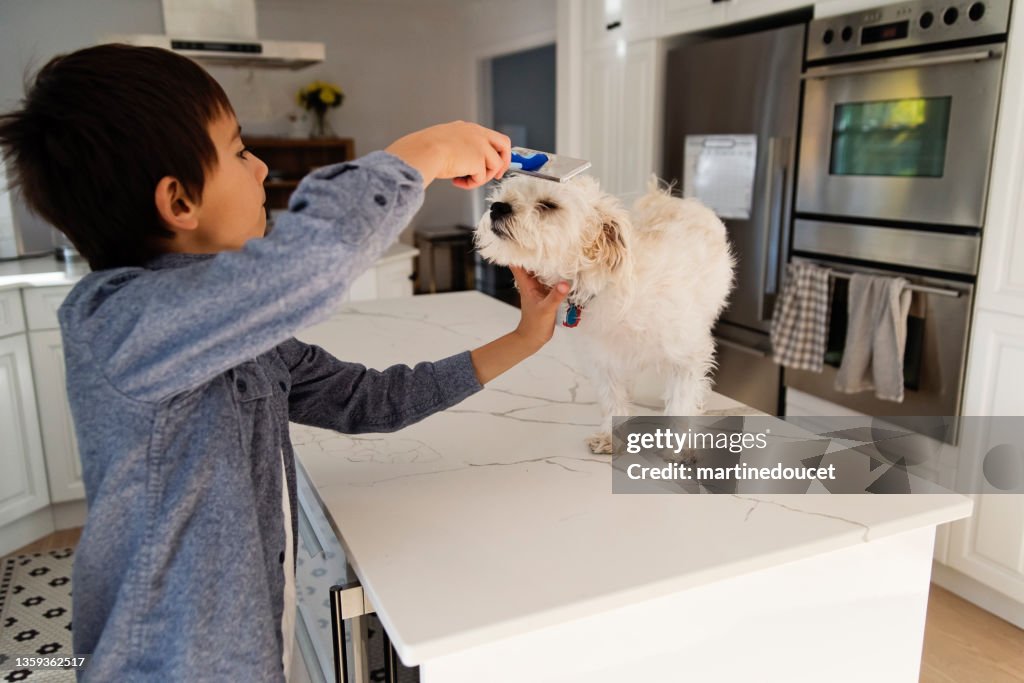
(182, 370)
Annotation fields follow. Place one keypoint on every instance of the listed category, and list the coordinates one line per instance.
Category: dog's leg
(613, 396)
(686, 390)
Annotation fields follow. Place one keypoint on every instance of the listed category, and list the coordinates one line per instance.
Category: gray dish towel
(876, 337)
(800, 320)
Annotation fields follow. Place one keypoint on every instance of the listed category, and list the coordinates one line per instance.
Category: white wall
(403, 64)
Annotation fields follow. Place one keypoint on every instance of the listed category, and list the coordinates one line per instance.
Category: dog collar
(573, 314)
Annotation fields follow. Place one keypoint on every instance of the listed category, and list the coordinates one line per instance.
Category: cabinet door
(393, 279)
(63, 464)
(12, 319)
(41, 304)
(602, 101)
(639, 95)
(606, 23)
(321, 564)
(989, 546)
(23, 484)
(619, 102)
(686, 16)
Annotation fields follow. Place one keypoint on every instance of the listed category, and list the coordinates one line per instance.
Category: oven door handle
(749, 350)
(774, 223)
(893, 64)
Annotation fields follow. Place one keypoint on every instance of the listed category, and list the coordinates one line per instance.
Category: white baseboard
(41, 524)
(973, 591)
(25, 530)
(69, 515)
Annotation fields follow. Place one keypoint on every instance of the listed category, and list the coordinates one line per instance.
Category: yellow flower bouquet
(318, 97)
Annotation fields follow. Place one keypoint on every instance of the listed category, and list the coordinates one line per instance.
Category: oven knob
(977, 11)
(847, 33)
(926, 20)
(950, 16)
(828, 37)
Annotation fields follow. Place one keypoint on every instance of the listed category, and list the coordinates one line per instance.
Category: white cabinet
(608, 22)
(23, 484)
(63, 465)
(618, 115)
(602, 85)
(390, 277)
(987, 550)
(989, 546)
(41, 304)
(685, 16)
(12, 320)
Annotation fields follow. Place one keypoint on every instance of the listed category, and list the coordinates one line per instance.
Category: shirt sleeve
(350, 398)
(157, 333)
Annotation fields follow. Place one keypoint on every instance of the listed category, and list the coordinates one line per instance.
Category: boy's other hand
(469, 154)
(538, 306)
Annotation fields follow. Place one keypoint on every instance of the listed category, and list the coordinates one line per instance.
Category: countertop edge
(459, 642)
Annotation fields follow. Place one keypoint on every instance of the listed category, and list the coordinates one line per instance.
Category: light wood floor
(962, 643)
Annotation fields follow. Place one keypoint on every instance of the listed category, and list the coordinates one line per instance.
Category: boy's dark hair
(98, 129)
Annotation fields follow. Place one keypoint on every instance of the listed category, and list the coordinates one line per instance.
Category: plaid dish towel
(800, 320)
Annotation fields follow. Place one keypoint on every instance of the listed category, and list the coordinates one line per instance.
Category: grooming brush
(546, 166)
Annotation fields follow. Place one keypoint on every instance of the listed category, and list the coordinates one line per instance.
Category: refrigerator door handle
(774, 201)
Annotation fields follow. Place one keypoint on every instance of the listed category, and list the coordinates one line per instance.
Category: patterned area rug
(35, 613)
(35, 619)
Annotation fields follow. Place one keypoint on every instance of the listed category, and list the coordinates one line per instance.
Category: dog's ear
(608, 250)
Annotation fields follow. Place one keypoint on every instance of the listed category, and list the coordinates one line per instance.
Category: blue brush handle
(528, 162)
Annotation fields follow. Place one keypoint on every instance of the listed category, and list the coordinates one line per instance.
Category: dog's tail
(652, 208)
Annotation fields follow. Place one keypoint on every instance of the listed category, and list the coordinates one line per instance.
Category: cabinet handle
(614, 25)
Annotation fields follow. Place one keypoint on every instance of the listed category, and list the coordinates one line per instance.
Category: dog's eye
(547, 205)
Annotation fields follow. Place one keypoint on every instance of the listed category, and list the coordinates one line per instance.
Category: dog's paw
(600, 443)
(688, 456)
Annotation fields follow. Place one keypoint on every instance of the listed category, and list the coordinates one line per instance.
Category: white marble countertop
(47, 271)
(493, 519)
(43, 271)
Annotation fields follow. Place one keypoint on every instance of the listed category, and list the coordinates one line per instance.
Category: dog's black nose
(500, 209)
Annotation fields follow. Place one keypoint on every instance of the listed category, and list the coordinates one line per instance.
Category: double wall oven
(898, 123)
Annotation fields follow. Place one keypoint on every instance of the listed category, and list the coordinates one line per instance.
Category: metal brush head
(544, 165)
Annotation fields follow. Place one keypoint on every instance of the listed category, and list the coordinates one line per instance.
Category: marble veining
(445, 519)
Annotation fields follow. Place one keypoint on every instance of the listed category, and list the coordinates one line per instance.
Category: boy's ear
(177, 212)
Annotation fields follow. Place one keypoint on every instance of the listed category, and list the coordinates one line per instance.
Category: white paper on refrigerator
(719, 171)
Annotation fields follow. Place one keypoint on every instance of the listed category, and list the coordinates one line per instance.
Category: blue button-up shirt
(182, 377)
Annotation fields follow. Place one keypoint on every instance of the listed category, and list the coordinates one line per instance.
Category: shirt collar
(176, 260)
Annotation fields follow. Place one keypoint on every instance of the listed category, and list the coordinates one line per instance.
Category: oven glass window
(891, 138)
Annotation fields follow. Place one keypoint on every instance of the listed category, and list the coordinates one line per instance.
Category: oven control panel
(923, 24)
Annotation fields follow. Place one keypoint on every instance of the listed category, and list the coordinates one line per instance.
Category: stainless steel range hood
(223, 32)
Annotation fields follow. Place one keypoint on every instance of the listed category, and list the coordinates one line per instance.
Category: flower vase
(320, 126)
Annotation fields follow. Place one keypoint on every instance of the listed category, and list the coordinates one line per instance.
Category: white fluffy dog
(648, 284)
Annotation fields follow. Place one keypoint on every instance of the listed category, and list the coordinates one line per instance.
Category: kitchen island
(492, 548)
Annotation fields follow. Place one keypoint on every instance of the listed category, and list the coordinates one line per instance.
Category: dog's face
(557, 231)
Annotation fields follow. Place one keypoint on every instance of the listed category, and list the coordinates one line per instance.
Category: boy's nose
(261, 170)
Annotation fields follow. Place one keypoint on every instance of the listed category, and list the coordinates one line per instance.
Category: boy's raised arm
(157, 333)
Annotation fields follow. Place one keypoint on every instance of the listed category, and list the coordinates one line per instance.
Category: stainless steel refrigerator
(745, 87)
